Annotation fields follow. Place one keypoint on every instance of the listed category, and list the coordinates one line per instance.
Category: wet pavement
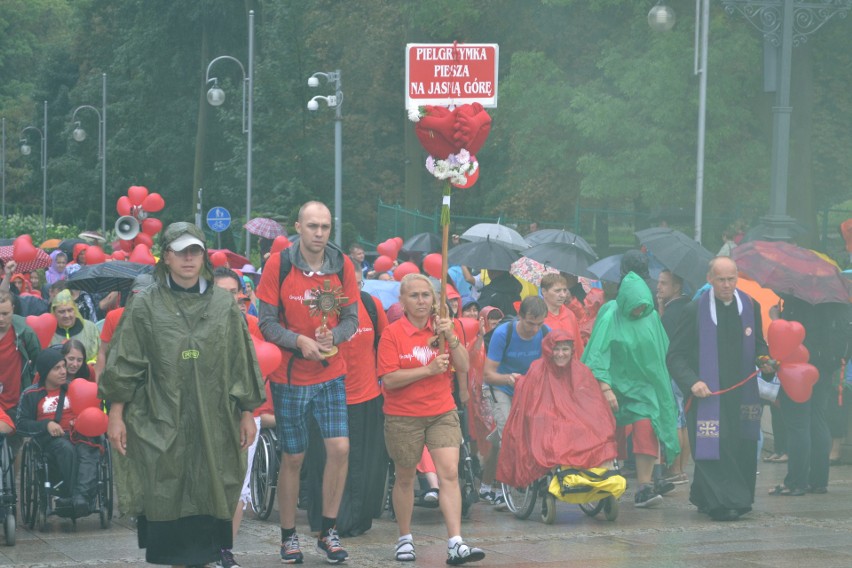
(812, 530)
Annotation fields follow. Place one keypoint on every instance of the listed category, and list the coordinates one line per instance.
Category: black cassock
(727, 483)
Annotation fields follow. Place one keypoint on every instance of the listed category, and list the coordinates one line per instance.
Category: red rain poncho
(559, 416)
(480, 420)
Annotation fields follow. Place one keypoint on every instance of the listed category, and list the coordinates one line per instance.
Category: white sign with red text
(451, 74)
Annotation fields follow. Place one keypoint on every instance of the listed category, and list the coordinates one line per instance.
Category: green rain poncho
(629, 354)
(185, 367)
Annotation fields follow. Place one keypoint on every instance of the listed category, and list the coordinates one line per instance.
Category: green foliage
(31, 225)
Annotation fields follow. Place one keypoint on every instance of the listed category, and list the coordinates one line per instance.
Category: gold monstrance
(325, 301)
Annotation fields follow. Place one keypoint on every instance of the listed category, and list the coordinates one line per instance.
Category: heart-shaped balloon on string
(798, 380)
(388, 248)
(399, 242)
(23, 249)
(123, 205)
(142, 255)
(403, 269)
(268, 355)
(95, 255)
(91, 422)
(436, 132)
(784, 337)
(124, 245)
(218, 259)
(153, 202)
(143, 239)
(137, 194)
(472, 127)
(151, 226)
(383, 263)
(83, 394)
(798, 355)
(44, 326)
(432, 264)
(119, 255)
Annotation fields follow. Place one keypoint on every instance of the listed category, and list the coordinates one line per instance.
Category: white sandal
(405, 551)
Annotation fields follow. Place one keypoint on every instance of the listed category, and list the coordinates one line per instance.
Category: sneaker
(487, 496)
(462, 554)
(647, 497)
(678, 478)
(500, 503)
(663, 487)
(431, 496)
(226, 559)
(329, 544)
(291, 553)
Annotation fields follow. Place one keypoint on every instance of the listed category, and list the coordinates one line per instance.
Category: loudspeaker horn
(127, 227)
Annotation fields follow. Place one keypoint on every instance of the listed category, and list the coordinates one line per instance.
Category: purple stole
(707, 425)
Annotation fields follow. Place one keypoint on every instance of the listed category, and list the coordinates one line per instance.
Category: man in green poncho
(627, 354)
(183, 380)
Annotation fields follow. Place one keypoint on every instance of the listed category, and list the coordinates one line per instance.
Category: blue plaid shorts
(326, 401)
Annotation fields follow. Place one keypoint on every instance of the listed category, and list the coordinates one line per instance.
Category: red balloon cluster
(139, 203)
(388, 253)
(797, 376)
(91, 420)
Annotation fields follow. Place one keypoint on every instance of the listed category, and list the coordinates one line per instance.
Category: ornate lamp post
(79, 135)
(3, 170)
(216, 96)
(334, 101)
(25, 150)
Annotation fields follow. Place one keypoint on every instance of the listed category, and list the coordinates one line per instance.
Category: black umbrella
(560, 236)
(564, 257)
(609, 268)
(677, 252)
(483, 255)
(425, 243)
(107, 276)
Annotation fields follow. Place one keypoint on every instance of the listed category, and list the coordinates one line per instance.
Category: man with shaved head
(715, 347)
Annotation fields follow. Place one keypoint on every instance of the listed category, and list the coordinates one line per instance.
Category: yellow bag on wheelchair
(574, 485)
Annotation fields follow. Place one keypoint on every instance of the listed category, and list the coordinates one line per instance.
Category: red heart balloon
(137, 194)
(388, 249)
(783, 337)
(119, 255)
(280, 243)
(125, 245)
(44, 327)
(143, 239)
(142, 255)
(471, 179)
(435, 132)
(23, 249)
(405, 268)
(799, 355)
(383, 264)
(95, 255)
(91, 422)
(798, 380)
(153, 202)
(83, 394)
(399, 242)
(268, 355)
(123, 205)
(470, 331)
(432, 264)
(218, 259)
(471, 127)
(151, 226)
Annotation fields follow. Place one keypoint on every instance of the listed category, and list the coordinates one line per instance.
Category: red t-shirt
(404, 346)
(297, 317)
(110, 323)
(266, 407)
(10, 371)
(568, 321)
(362, 383)
(4, 418)
(49, 404)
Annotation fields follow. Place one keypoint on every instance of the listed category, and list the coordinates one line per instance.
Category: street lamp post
(216, 96)
(25, 150)
(79, 135)
(334, 101)
(3, 171)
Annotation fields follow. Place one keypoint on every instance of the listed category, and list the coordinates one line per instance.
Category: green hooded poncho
(185, 367)
(629, 354)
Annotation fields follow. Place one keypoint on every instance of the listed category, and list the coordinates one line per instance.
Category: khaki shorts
(406, 435)
(501, 405)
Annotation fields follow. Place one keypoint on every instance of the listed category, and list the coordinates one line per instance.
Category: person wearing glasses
(183, 380)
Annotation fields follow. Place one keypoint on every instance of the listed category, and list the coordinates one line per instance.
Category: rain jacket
(185, 367)
(26, 342)
(629, 354)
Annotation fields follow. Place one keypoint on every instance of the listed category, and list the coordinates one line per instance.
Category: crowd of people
(561, 372)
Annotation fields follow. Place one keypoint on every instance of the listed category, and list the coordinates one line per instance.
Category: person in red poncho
(559, 417)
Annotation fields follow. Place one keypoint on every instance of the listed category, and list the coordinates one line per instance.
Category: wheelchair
(40, 483)
(521, 501)
(8, 494)
(264, 473)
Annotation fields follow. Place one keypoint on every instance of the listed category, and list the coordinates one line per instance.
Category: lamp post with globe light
(216, 96)
(26, 149)
(334, 101)
(79, 134)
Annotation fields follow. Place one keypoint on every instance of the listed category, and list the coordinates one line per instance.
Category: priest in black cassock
(715, 347)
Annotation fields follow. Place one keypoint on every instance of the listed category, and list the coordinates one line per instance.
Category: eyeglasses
(192, 250)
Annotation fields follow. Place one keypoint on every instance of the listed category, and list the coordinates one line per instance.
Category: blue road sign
(218, 219)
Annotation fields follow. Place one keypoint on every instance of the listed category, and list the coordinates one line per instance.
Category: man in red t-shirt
(310, 378)
(19, 347)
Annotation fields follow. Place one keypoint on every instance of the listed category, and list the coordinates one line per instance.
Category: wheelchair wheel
(610, 507)
(264, 476)
(548, 509)
(521, 501)
(30, 486)
(592, 508)
(105, 487)
(469, 495)
(9, 529)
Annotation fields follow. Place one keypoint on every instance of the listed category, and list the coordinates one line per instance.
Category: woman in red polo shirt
(419, 409)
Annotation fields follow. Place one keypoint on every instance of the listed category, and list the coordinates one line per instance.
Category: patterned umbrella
(42, 259)
(265, 227)
(530, 270)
